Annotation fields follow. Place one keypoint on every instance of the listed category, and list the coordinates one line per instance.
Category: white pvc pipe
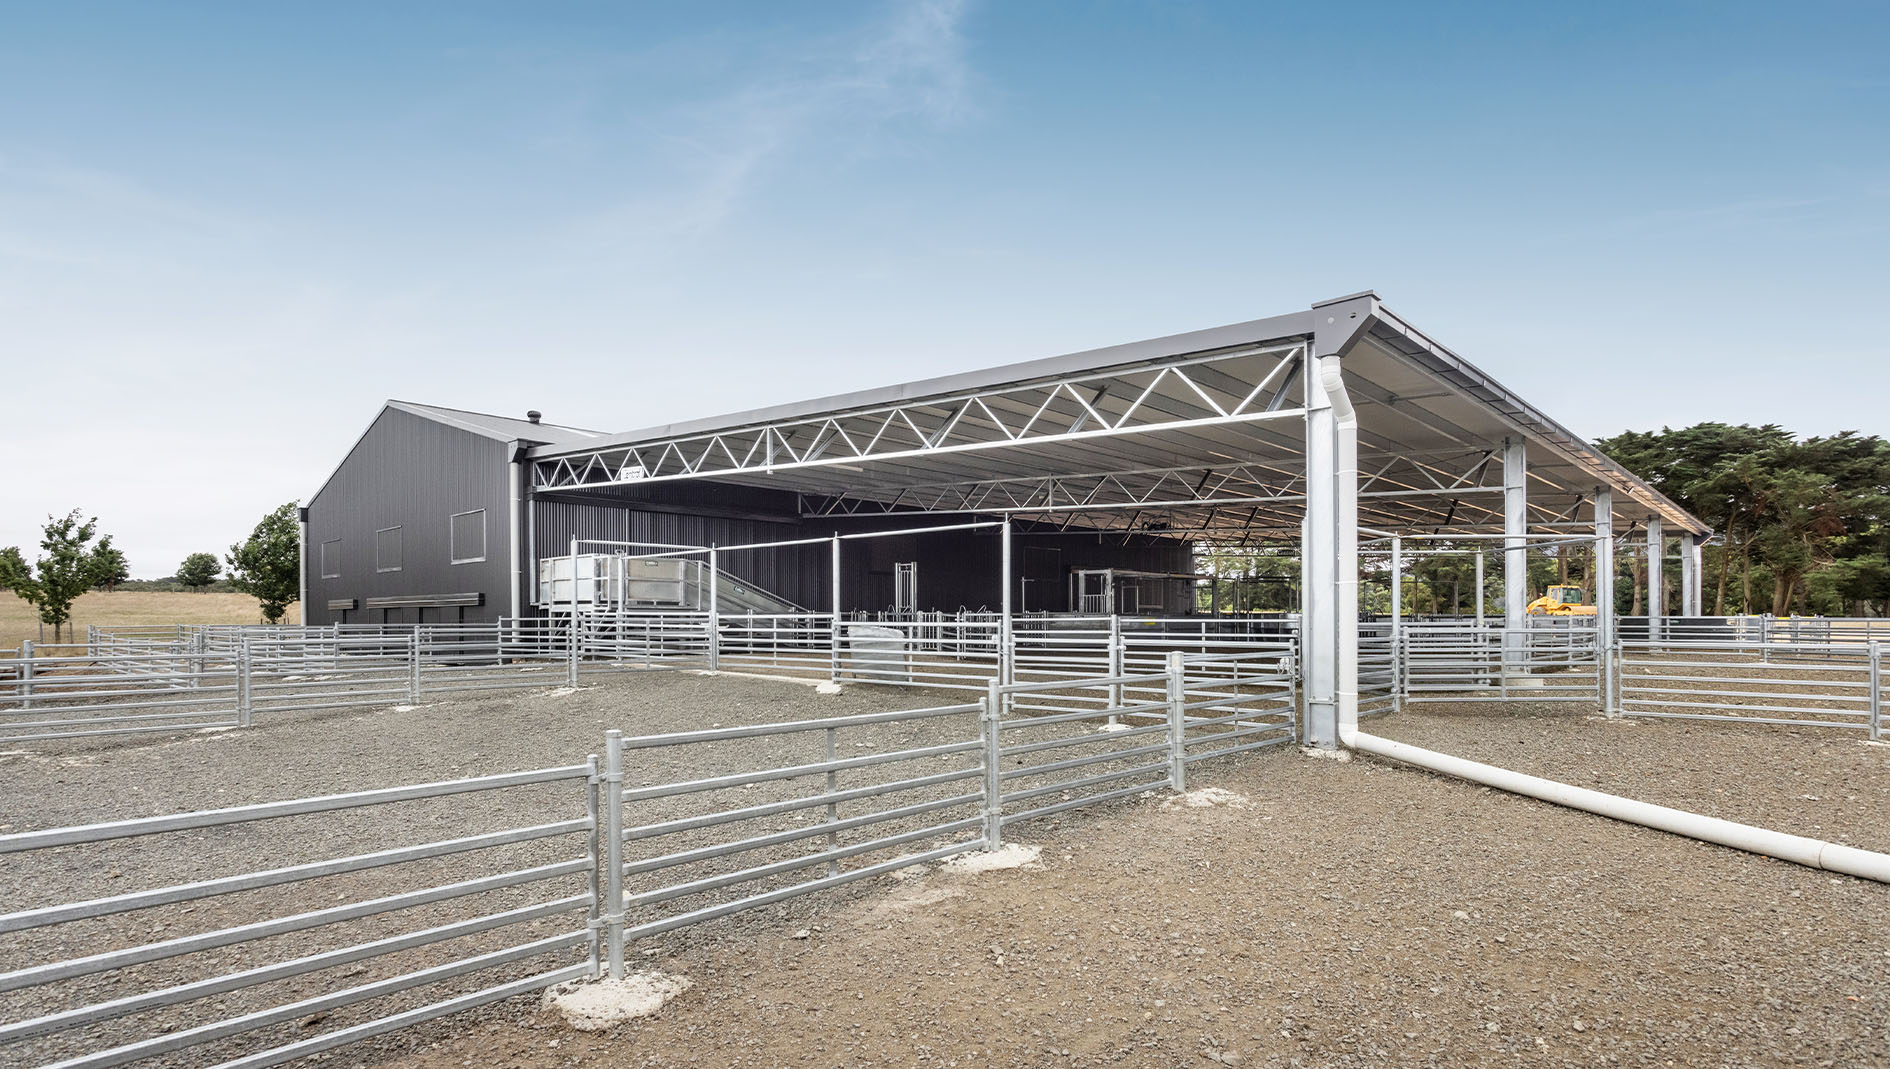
(1815, 853)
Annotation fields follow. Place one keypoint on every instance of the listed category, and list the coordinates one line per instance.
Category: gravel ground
(84, 781)
(1351, 914)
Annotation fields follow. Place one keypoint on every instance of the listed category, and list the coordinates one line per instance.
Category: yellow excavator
(1561, 601)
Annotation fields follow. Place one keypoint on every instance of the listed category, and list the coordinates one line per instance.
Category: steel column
(834, 673)
(1656, 577)
(1397, 621)
(1515, 551)
(1319, 605)
(572, 675)
(1689, 575)
(1604, 596)
(1007, 656)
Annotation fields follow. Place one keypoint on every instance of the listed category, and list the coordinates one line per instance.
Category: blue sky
(229, 231)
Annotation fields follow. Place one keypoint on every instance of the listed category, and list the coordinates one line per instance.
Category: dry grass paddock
(1346, 914)
(128, 608)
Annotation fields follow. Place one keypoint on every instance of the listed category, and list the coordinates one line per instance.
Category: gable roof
(499, 428)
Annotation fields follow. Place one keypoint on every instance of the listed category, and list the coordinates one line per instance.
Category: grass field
(18, 620)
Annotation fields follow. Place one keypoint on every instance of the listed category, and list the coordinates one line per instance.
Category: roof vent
(534, 416)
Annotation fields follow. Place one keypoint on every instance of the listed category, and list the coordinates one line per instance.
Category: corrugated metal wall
(412, 473)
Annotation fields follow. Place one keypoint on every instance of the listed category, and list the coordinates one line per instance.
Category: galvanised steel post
(1876, 692)
(612, 911)
(990, 728)
(245, 710)
(592, 855)
(26, 673)
(1605, 647)
(1319, 598)
(1689, 575)
(1007, 657)
(715, 614)
(1397, 623)
(1515, 555)
(571, 675)
(1115, 662)
(833, 808)
(1177, 723)
(1656, 579)
(834, 672)
(413, 667)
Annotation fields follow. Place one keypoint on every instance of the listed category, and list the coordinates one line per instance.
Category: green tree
(68, 567)
(1800, 524)
(109, 566)
(199, 570)
(268, 565)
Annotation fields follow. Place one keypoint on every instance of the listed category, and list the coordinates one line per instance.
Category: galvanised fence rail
(384, 908)
(1552, 660)
(250, 962)
(210, 678)
(1801, 684)
(141, 680)
(218, 677)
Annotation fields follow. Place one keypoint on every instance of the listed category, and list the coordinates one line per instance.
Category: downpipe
(1813, 853)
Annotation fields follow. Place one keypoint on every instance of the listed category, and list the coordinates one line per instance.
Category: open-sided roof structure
(1199, 435)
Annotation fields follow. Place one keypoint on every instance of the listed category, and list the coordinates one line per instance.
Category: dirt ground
(1350, 914)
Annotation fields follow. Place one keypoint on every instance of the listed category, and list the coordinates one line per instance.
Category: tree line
(266, 566)
(1801, 525)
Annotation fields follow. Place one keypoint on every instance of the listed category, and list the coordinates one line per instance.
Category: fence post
(245, 710)
(1397, 624)
(1177, 724)
(1289, 665)
(571, 662)
(833, 809)
(833, 674)
(611, 912)
(413, 667)
(26, 673)
(990, 715)
(1115, 663)
(1876, 691)
(592, 814)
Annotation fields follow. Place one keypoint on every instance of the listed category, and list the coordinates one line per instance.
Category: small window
(387, 549)
(331, 559)
(469, 537)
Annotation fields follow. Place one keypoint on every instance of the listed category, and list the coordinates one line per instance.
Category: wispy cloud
(848, 95)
